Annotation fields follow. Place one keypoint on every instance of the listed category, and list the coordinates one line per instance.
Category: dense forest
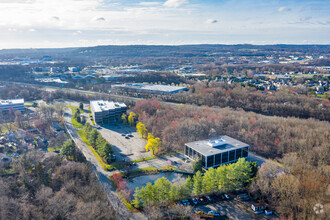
(281, 103)
(301, 145)
(50, 187)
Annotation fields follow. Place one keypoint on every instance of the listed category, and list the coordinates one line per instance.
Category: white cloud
(149, 3)
(283, 9)
(211, 21)
(175, 3)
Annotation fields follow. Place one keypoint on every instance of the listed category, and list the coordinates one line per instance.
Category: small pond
(143, 180)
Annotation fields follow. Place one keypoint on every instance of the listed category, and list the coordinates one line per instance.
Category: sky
(76, 23)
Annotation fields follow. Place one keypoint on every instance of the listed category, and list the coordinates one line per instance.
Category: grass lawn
(154, 157)
(51, 149)
(74, 121)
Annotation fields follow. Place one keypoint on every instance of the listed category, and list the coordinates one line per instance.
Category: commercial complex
(216, 151)
(150, 88)
(14, 104)
(104, 112)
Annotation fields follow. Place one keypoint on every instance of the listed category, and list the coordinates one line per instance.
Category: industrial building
(14, 104)
(104, 112)
(216, 151)
(150, 88)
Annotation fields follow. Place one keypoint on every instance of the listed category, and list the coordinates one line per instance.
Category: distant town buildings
(15, 104)
(151, 88)
(104, 112)
(216, 151)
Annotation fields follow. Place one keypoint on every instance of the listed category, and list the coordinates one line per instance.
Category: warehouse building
(14, 104)
(104, 112)
(150, 88)
(216, 151)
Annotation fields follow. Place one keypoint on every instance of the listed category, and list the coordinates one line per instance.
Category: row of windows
(218, 159)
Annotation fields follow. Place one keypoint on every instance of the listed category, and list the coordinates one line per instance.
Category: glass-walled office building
(216, 151)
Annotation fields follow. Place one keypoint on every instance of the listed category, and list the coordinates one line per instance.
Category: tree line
(95, 139)
(222, 179)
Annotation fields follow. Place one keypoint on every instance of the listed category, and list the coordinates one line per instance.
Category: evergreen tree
(197, 165)
(162, 187)
(223, 181)
(137, 198)
(105, 151)
(198, 183)
(240, 174)
(81, 106)
(210, 183)
(92, 137)
(68, 149)
(174, 192)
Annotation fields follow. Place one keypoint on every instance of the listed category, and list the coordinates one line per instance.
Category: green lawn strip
(51, 149)
(74, 121)
(144, 159)
(127, 204)
(105, 166)
(154, 157)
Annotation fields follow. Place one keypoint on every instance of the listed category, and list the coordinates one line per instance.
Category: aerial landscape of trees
(52, 188)
(302, 145)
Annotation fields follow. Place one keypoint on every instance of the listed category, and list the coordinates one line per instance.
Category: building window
(194, 154)
(217, 159)
(186, 150)
(189, 152)
(231, 155)
(210, 161)
(245, 152)
(238, 153)
(203, 160)
(224, 157)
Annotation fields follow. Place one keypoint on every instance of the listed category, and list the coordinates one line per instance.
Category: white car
(226, 196)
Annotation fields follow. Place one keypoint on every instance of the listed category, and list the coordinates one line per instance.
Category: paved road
(101, 174)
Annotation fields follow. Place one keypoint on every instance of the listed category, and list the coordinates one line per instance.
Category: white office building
(14, 104)
(104, 112)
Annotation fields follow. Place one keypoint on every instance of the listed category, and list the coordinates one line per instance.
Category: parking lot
(223, 205)
(127, 143)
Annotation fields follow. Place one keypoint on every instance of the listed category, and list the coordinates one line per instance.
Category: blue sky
(70, 23)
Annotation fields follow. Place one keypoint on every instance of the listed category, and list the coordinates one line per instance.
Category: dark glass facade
(231, 155)
(217, 159)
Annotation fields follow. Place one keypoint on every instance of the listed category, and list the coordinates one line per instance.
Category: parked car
(213, 213)
(130, 135)
(202, 200)
(195, 201)
(226, 196)
(127, 137)
(209, 198)
(98, 127)
(123, 134)
(268, 212)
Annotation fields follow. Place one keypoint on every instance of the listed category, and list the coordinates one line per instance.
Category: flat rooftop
(100, 105)
(216, 145)
(11, 101)
(152, 87)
